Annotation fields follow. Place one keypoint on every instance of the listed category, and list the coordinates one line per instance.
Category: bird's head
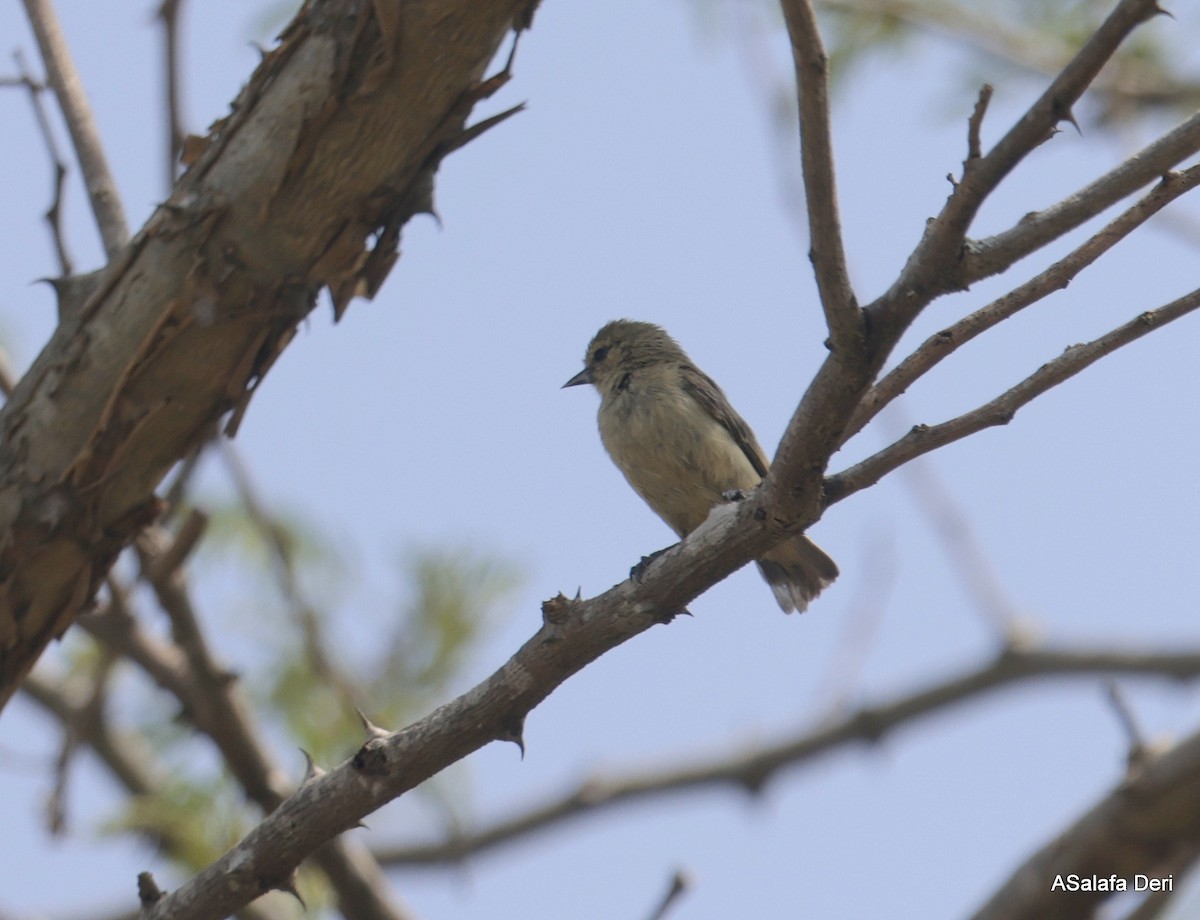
(622, 347)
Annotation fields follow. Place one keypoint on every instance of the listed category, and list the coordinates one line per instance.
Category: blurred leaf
(456, 594)
(203, 818)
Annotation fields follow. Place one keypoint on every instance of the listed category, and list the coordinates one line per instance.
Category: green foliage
(453, 597)
(291, 584)
(1004, 39)
(198, 817)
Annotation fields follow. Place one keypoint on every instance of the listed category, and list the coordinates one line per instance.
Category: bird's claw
(639, 570)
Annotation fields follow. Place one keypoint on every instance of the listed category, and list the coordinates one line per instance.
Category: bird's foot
(639, 570)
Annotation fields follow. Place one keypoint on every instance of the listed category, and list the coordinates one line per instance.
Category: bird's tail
(797, 571)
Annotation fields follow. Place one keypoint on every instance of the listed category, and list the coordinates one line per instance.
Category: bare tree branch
(942, 344)
(390, 763)
(127, 757)
(932, 268)
(789, 498)
(60, 68)
(1000, 411)
(1148, 824)
(842, 315)
(133, 763)
(751, 770)
(301, 610)
(987, 257)
(212, 701)
(296, 191)
(282, 203)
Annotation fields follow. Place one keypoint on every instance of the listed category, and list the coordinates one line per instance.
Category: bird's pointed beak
(584, 376)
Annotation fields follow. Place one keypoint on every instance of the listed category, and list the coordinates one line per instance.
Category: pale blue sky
(643, 181)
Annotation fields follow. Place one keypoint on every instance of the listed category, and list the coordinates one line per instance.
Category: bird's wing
(705, 391)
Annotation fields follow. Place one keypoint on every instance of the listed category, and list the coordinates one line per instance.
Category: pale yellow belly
(675, 455)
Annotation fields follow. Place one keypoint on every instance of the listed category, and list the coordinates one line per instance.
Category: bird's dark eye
(600, 354)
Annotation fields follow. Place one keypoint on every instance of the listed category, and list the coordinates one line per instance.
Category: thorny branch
(128, 758)
(932, 268)
(302, 821)
(944, 343)
(1000, 411)
(751, 770)
(211, 699)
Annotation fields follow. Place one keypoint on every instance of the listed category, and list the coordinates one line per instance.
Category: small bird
(683, 447)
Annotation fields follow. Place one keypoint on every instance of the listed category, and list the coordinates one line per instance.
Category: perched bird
(683, 447)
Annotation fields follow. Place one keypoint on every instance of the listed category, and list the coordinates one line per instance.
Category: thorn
(555, 614)
(1160, 11)
(665, 618)
(1069, 117)
(578, 593)
(1125, 718)
(149, 893)
(288, 886)
(469, 134)
(311, 769)
(373, 731)
(513, 729)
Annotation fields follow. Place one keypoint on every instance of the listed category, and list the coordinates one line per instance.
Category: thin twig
(168, 15)
(789, 496)
(1000, 411)
(944, 343)
(303, 613)
(1125, 718)
(54, 212)
(842, 315)
(993, 255)
(975, 123)
(60, 68)
(751, 770)
(859, 627)
(953, 531)
(935, 265)
(212, 701)
(132, 763)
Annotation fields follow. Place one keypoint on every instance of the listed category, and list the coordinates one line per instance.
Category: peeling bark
(329, 149)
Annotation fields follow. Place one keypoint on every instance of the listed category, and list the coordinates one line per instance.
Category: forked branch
(1000, 411)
